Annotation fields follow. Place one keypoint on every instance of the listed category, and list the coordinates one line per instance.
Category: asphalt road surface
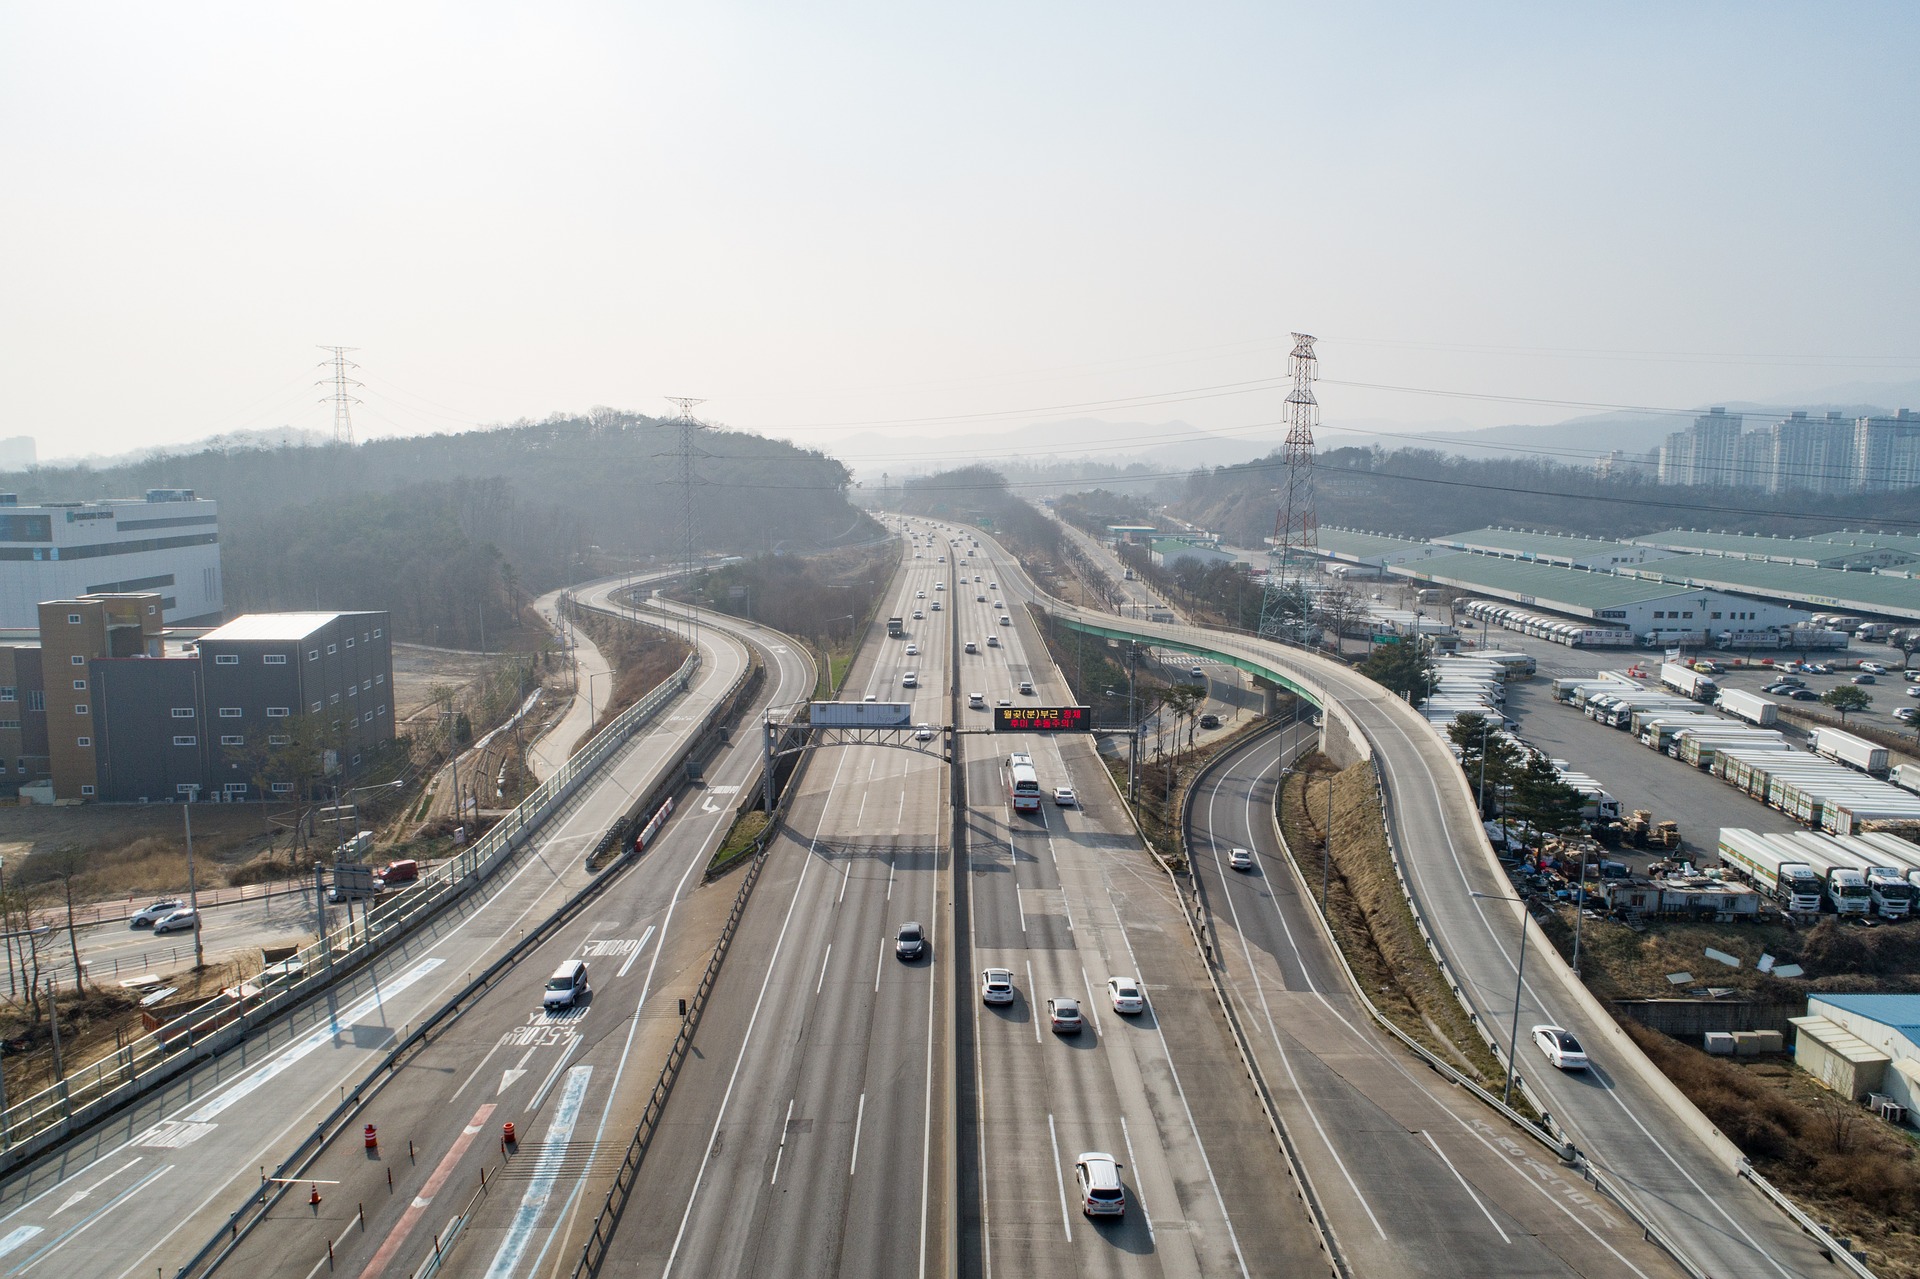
(144, 1190)
(1416, 1176)
(1622, 1114)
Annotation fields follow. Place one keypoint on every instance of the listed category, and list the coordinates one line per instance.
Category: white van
(566, 986)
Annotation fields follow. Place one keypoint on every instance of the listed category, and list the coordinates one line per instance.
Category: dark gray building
(223, 719)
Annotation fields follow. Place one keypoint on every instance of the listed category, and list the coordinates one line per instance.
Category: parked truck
(1843, 872)
(1688, 682)
(1787, 880)
(1906, 777)
(1854, 752)
(1751, 707)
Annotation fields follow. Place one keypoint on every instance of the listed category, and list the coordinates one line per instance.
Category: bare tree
(69, 862)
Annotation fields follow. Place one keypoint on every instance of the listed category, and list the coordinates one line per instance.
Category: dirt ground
(134, 847)
(417, 670)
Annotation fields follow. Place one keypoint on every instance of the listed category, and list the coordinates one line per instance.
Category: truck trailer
(1688, 682)
(1854, 752)
(1751, 707)
(1786, 880)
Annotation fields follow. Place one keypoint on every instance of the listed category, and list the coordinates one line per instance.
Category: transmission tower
(687, 452)
(341, 399)
(1296, 528)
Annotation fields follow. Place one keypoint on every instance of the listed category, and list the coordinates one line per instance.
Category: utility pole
(193, 890)
(1296, 529)
(341, 398)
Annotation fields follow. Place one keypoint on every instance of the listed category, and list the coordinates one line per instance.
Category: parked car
(1804, 695)
(1063, 1015)
(1906, 714)
(1560, 1047)
(1864, 679)
(996, 986)
(148, 916)
(911, 941)
(1209, 721)
(1126, 995)
(1097, 1175)
(182, 920)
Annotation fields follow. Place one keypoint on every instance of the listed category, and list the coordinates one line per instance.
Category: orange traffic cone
(314, 1198)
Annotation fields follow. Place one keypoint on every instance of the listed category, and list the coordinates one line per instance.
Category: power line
(341, 399)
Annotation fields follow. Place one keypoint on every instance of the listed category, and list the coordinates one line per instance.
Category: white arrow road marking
(78, 1195)
(514, 1072)
(709, 806)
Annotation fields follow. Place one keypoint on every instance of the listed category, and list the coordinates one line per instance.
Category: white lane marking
(1464, 1186)
(1607, 1086)
(87, 1222)
(926, 1110)
(1032, 1004)
(785, 1128)
(545, 1170)
(1059, 1178)
(16, 1237)
(892, 859)
(1233, 1236)
(644, 937)
(879, 962)
(845, 871)
(1087, 982)
(1138, 1192)
(859, 1117)
(773, 966)
(312, 1040)
(1273, 1030)
(823, 968)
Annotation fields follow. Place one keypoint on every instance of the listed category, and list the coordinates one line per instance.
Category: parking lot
(1641, 778)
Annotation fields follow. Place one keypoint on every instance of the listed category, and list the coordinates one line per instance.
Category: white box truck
(1688, 682)
(1854, 752)
(1751, 707)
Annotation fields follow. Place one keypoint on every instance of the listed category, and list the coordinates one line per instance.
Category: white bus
(1023, 783)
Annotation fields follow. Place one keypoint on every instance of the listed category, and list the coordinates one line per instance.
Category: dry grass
(1858, 1176)
(129, 851)
(1371, 920)
(640, 655)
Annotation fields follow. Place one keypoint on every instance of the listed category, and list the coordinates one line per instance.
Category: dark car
(911, 942)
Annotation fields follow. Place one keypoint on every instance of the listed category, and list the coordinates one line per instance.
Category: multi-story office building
(167, 542)
(127, 715)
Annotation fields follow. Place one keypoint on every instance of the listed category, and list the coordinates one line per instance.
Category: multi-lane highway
(1416, 1176)
(1633, 1127)
(145, 1189)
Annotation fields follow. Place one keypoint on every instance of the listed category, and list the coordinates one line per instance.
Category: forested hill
(1422, 493)
(437, 528)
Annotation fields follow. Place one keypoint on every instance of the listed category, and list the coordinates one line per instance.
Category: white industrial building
(1863, 1046)
(167, 542)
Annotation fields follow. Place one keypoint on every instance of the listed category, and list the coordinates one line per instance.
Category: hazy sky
(823, 216)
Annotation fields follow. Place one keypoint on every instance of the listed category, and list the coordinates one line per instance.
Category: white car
(993, 641)
(913, 650)
(1097, 1175)
(1064, 796)
(918, 615)
(1126, 996)
(182, 920)
(910, 680)
(996, 986)
(923, 732)
(1560, 1047)
(919, 595)
(148, 916)
(1241, 859)
(1005, 620)
(939, 586)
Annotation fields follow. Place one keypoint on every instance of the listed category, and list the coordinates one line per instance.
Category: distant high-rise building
(1716, 442)
(1813, 455)
(1886, 452)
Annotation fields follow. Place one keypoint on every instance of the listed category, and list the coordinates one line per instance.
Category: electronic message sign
(1042, 719)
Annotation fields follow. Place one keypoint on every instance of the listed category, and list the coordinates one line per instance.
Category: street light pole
(193, 890)
(1579, 910)
(1519, 985)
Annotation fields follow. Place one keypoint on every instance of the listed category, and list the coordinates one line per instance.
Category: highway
(807, 1135)
(147, 1188)
(1627, 1120)
(1402, 1159)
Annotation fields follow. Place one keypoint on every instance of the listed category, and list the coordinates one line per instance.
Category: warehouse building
(1171, 551)
(1371, 553)
(128, 714)
(1851, 552)
(167, 542)
(1863, 1047)
(1886, 594)
(1563, 549)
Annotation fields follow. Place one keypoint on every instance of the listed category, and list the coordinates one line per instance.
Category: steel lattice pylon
(1296, 527)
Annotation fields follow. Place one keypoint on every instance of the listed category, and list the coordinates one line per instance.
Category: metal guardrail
(50, 1115)
(593, 1253)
